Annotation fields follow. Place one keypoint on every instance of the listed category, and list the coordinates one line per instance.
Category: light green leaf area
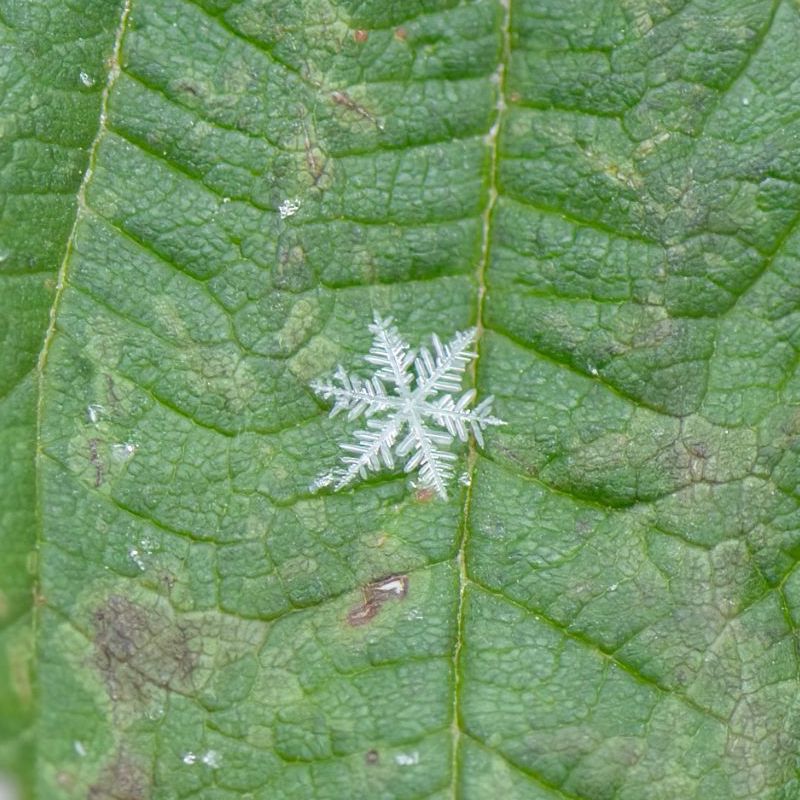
(609, 608)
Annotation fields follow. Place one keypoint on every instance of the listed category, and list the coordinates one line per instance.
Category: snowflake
(396, 401)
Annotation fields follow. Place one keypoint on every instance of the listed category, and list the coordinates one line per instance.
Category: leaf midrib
(499, 78)
(41, 365)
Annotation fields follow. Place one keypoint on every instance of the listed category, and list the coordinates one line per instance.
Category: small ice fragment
(124, 450)
(86, 78)
(147, 545)
(288, 208)
(133, 554)
(407, 759)
(190, 758)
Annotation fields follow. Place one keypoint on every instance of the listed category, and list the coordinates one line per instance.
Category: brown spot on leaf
(65, 779)
(316, 162)
(168, 580)
(362, 614)
(372, 757)
(375, 594)
(698, 460)
(424, 494)
(400, 34)
(122, 779)
(110, 392)
(96, 462)
(343, 99)
(361, 36)
(187, 87)
(140, 650)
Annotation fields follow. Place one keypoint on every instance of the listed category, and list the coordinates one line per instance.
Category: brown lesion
(424, 494)
(140, 650)
(123, 778)
(316, 162)
(343, 99)
(374, 595)
(111, 394)
(698, 455)
(96, 462)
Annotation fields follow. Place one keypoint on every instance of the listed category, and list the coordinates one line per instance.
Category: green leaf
(609, 608)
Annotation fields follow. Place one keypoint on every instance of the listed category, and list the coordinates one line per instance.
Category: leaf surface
(52, 75)
(608, 609)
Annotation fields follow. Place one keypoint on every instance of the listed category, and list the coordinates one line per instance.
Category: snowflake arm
(456, 416)
(391, 354)
(435, 465)
(444, 373)
(372, 447)
(355, 395)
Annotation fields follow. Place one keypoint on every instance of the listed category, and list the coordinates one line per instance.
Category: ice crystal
(411, 408)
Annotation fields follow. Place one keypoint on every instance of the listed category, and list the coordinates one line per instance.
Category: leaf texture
(50, 83)
(609, 193)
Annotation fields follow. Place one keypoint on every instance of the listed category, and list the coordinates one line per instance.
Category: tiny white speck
(86, 79)
(407, 759)
(79, 748)
(124, 451)
(288, 208)
(464, 479)
(393, 586)
(613, 587)
(745, 101)
(94, 411)
(593, 370)
(212, 759)
(190, 758)
(133, 554)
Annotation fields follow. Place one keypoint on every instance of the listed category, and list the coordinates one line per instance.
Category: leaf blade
(553, 628)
